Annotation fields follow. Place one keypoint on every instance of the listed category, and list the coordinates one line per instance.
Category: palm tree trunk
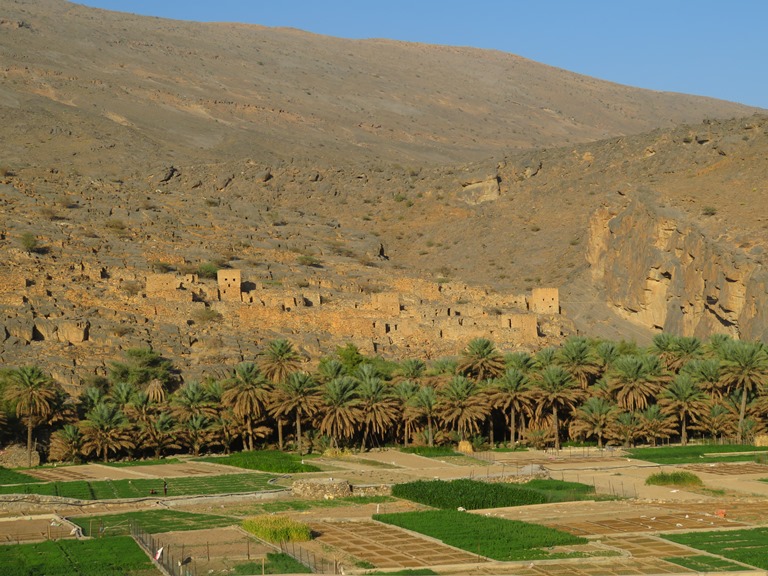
(742, 413)
(106, 453)
(684, 432)
(600, 440)
(512, 430)
(557, 428)
(298, 431)
(249, 427)
(29, 441)
(280, 434)
(429, 431)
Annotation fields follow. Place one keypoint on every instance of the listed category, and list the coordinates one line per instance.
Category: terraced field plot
(728, 469)
(34, 529)
(644, 523)
(607, 567)
(389, 547)
(100, 472)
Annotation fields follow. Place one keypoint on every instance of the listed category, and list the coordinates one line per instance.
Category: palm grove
(596, 391)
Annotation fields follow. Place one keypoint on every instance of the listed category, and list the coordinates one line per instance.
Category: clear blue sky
(714, 48)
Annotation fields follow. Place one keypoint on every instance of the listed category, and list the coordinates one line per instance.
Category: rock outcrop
(663, 272)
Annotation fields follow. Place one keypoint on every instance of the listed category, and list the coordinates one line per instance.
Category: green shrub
(276, 528)
(208, 270)
(673, 479)
(29, 242)
(206, 316)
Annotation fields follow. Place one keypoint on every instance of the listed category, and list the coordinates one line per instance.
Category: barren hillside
(403, 197)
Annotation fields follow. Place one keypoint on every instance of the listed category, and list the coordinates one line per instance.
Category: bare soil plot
(608, 518)
(214, 549)
(647, 547)
(612, 567)
(387, 546)
(748, 512)
(729, 469)
(49, 527)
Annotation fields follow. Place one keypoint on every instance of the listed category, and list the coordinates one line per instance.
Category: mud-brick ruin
(421, 316)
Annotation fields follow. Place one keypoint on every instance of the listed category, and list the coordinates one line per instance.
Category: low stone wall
(336, 488)
(15, 456)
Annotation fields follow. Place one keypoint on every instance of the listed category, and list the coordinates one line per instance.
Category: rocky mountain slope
(403, 197)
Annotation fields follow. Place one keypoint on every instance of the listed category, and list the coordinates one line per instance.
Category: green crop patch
(132, 463)
(749, 546)
(276, 563)
(475, 495)
(704, 563)
(429, 451)
(152, 521)
(671, 455)
(266, 461)
(119, 556)
(144, 487)
(491, 537)
(13, 477)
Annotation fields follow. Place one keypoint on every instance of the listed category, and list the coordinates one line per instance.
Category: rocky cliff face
(661, 271)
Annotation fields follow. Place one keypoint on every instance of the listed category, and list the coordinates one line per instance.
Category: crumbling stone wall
(332, 488)
(544, 301)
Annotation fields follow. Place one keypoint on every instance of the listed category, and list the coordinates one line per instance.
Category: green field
(491, 537)
(152, 521)
(475, 495)
(132, 463)
(12, 477)
(704, 563)
(138, 488)
(748, 546)
(266, 461)
(302, 505)
(671, 455)
(277, 563)
(430, 451)
(119, 556)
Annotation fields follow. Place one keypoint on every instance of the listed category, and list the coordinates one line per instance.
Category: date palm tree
(278, 361)
(683, 350)
(378, 407)
(655, 424)
(632, 383)
(462, 404)
(593, 418)
(192, 399)
(247, 393)
(511, 393)
(404, 392)
(411, 369)
(196, 433)
(627, 427)
(32, 392)
(555, 389)
(160, 434)
(298, 395)
(340, 409)
(577, 357)
(66, 444)
(424, 404)
(706, 373)
(685, 400)
(745, 370)
(106, 430)
(716, 420)
(480, 360)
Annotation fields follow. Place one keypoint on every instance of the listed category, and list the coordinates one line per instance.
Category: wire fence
(317, 564)
(203, 558)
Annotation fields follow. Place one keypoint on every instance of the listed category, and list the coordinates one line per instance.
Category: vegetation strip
(119, 556)
(494, 538)
(144, 487)
(265, 461)
(749, 546)
(700, 454)
(475, 495)
(152, 521)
